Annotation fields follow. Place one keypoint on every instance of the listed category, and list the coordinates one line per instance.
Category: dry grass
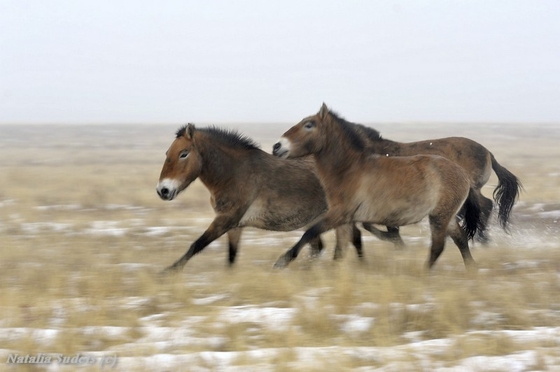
(81, 252)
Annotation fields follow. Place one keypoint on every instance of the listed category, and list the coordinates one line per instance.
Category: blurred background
(250, 61)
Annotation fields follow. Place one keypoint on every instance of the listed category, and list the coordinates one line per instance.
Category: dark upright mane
(371, 134)
(230, 138)
(181, 131)
(348, 129)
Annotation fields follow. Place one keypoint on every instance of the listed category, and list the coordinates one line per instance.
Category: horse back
(469, 154)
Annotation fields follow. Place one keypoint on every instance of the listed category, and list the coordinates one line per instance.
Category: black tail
(506, 192)
(471, 215)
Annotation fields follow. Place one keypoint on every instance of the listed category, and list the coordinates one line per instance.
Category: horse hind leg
(486, 206)
(460, 239)
(439, 233)
(392, 234)
(331, 220)
(316, 246)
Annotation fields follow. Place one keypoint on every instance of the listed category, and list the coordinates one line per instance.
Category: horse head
(182, 165)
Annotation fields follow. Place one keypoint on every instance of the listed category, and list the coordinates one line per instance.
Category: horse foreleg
(486, 206)
(357, 241)
(392, 234)
(343, 234)
(234, 235)
(217, 228)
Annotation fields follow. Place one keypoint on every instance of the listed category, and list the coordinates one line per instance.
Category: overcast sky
(277, 61)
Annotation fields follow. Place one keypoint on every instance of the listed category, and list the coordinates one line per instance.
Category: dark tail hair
(471, 215)
(506, 192)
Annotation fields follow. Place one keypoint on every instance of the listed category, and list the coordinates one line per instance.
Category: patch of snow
(108, 228)
(59, 207)
(356, 324)
(272, 317)
(157, 230)
(518, 362)
(136, 302)
(548, 334)
(209, 300)
(7, 202)
(549, 214)
(38, 227)
(42, 336)
(125, 207)
(153, 319)
(487, 319)
(133, 266)
(106, 331)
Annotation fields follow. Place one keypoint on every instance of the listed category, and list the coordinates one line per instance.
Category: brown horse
(248, 187)
(472, 156)
(391, 191)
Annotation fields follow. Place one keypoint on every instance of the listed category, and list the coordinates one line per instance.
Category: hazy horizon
(251, 62)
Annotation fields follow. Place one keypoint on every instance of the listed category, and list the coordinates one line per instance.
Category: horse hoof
(483, 239)
(315, 253)
(471, 267)
(168, 271)
(282, 262)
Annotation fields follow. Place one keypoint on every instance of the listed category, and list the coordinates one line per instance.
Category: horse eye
(309, 125)
(183, 155)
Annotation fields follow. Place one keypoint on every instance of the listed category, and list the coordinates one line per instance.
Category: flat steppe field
(84, 235)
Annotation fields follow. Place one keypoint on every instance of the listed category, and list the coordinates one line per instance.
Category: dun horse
(472, 156)
(248, 187)
(391, 191)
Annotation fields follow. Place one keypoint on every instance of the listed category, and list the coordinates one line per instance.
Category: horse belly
(279, 217)
(392, 217)
(395, 212)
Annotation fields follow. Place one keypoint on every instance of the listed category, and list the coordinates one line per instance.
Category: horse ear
(324, 111)
(190, 131)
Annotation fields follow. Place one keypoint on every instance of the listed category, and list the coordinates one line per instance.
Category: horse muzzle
(167, 189)
(281, 148)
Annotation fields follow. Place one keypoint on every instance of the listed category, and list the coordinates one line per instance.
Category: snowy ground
(129, 237)
(408, 357)
(165, 343)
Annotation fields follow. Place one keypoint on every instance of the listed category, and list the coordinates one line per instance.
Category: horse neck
(218, 165)
(337, 155)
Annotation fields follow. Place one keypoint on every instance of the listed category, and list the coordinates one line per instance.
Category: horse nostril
(164, 191)
(276, 147)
